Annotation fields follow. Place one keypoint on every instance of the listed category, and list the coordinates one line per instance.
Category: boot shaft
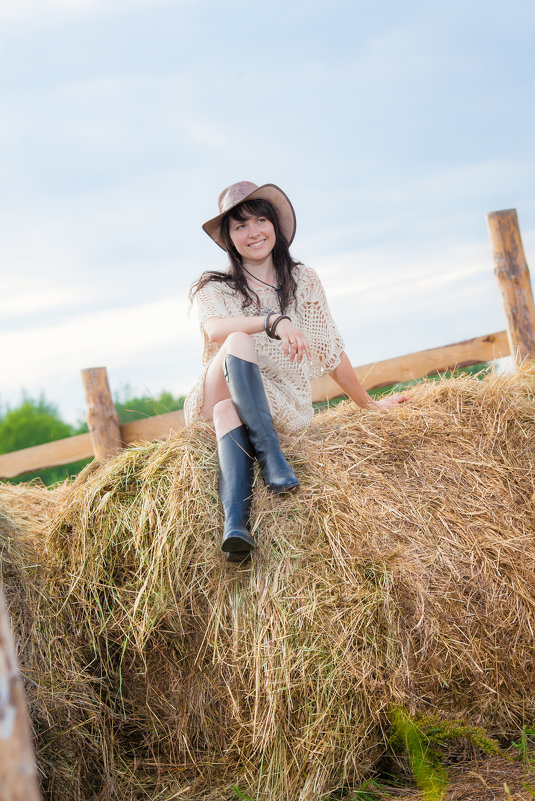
(234, 451)
(248, 395)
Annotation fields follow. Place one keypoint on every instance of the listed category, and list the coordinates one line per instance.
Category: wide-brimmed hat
(238, 193)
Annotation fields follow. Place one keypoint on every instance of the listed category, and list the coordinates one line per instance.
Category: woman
(267, 332)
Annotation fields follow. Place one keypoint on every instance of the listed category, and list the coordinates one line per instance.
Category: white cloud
(116, 338)
(25, 297)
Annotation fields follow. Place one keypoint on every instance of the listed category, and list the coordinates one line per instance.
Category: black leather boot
(248, 395)
(236, 460)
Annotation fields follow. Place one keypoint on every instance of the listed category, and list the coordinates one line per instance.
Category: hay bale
(402, 572)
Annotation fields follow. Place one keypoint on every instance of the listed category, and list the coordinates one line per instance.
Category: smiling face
(253, 237)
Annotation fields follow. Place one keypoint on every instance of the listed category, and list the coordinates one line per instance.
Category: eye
(261, 219)
(239, 227)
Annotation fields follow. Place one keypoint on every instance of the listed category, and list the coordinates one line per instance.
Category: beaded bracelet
(272, 333)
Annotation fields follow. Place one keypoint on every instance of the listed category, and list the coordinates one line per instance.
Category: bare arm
(295, 345)
(217, 329)
(346, 378)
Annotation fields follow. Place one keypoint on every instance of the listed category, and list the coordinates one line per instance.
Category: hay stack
(402, 572)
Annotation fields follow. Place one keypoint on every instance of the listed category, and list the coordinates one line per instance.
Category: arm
(217, 329)
(346, 378)
(294, 343)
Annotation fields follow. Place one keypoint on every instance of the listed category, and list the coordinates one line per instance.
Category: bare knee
(240, 344)
(226, 417)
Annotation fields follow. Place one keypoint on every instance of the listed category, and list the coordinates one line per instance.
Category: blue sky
(394, 127)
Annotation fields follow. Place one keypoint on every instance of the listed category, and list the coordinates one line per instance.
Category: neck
(263, 270)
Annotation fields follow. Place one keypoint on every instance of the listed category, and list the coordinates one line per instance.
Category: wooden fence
(106, 435)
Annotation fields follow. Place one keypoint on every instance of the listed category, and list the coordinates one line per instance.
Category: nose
(253, 231)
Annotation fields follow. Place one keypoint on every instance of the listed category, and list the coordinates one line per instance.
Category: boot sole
(236, 544)
(286, 488)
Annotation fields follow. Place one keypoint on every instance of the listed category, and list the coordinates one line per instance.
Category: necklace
(278, 289)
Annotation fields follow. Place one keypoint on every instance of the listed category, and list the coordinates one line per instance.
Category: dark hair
(236, 279)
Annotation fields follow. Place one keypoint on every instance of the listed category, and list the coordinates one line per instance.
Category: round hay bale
(403, 572)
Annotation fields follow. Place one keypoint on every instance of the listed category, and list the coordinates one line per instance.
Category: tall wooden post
(18, 776)
(512, 272)
(101, 415)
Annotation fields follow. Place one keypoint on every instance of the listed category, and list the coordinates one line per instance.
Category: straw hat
(245, 190)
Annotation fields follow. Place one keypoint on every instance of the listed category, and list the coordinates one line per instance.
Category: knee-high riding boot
(234, 451)
(247, 392)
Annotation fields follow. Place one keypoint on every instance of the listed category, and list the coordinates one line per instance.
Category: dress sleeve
(326, 343)
(210, 302)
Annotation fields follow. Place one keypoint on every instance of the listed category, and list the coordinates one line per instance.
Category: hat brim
(275, 195)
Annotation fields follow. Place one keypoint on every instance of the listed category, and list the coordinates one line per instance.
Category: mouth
(257, 245)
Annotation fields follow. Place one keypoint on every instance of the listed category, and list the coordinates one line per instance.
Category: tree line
(37, 420)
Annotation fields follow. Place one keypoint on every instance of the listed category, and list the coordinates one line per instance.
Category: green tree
(35, 422)
(135, 408)
(32, 423)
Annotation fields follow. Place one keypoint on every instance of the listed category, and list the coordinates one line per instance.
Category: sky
(394, 127)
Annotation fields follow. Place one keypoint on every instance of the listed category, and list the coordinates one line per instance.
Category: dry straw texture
(402, 572)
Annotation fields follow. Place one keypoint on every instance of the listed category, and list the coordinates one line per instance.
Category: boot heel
(236, 541)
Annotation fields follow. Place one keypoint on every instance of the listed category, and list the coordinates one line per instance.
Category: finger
(307, 351)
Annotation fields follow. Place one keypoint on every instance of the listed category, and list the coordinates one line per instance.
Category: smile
(257, 244)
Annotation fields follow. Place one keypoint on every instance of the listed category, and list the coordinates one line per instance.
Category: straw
(402, 572)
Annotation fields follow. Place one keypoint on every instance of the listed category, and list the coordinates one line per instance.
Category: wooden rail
(420, 364)
(106, 436)
(379, 374)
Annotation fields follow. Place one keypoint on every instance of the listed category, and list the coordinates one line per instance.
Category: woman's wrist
(267, 322)
(273, 327)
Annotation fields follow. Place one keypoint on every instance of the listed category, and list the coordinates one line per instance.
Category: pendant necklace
(278, 289)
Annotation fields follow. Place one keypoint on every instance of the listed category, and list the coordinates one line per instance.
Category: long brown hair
(236, 279)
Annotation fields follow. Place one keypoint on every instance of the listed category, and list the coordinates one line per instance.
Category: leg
(235, 459)
(235, 482)
(243, 385)
(226, 391)
(215, 386)
(247, 393)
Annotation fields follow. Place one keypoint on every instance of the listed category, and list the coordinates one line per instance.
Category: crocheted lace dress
(287, 384)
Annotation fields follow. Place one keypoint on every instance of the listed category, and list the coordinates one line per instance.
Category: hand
(294, 342)
(390, 402)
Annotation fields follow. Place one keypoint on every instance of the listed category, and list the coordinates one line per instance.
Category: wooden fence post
(512, 273)
(101, 415)
(18, 776)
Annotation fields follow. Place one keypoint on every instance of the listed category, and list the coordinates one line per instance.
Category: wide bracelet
(267, 318)
(272, 330)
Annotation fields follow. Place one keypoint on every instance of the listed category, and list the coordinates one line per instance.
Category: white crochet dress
(287, 383)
